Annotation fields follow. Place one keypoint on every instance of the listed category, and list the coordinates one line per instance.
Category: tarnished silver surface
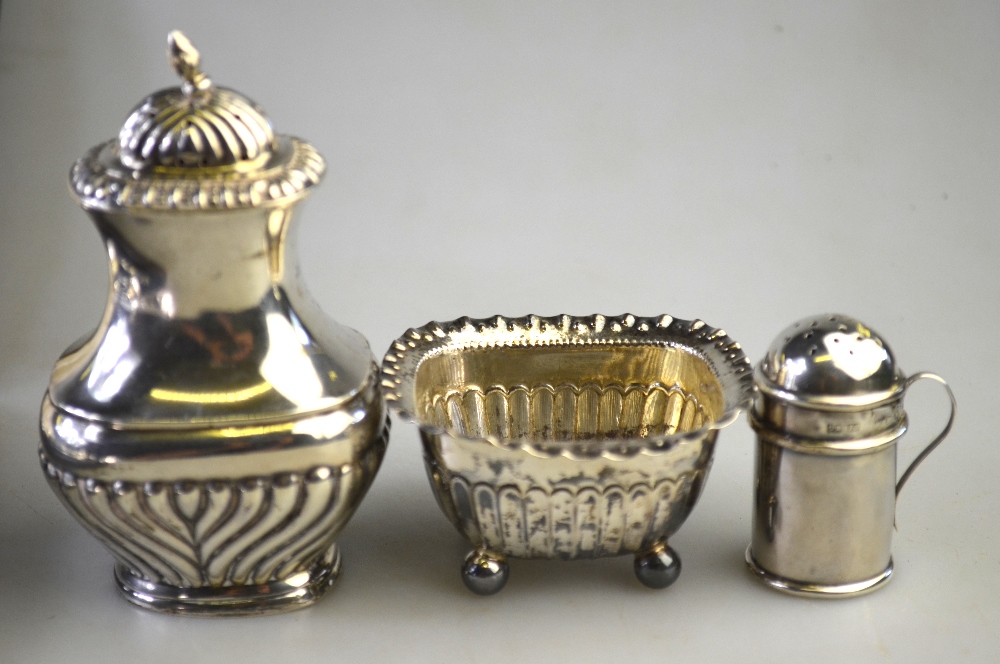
(567, 437)
(828, 412)
(216, 431)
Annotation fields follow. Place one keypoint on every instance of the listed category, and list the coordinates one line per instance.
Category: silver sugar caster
(828, 412)
(217, 430)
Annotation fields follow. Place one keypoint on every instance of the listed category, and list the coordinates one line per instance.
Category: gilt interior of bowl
(567, 380)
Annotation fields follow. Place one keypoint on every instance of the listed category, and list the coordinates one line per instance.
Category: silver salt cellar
(568, 437)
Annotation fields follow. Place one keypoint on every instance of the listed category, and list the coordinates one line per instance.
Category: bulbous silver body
(216, 431)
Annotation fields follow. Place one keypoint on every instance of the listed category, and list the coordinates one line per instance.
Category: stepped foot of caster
(294, 592)
(484, 572)
(657, 568)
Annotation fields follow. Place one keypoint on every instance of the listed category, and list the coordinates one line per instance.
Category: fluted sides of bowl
(611, 512)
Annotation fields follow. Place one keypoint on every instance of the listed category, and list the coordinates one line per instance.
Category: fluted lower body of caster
(295, 592)
(485, 572)
(658, 567)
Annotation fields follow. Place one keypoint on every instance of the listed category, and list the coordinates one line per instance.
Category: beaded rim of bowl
(723, 355)
(195, 147)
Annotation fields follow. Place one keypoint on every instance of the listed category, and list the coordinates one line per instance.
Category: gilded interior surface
(567, 392)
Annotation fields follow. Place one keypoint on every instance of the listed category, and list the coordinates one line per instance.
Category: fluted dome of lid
(196, 146)
(831, 360)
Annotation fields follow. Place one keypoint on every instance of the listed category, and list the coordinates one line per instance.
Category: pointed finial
(186, 60)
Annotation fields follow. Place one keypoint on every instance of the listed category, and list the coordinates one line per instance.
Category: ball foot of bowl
(485, 572)
(294, 592)
(657, 568)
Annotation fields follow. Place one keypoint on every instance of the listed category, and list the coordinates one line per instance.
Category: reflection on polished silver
(216, 431)
(813, 589)
(828, 412)
(567, 437)
(658, 568)
(485, 572)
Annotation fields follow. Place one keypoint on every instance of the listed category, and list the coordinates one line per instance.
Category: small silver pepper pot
(216, 431)
(828, 412)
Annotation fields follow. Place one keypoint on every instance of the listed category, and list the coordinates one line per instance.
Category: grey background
(744, 163)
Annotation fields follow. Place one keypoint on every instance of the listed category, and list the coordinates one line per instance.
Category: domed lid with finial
(195, 147)
(830, 361)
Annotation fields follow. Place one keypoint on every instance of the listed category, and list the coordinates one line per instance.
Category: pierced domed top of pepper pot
(831, 360)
